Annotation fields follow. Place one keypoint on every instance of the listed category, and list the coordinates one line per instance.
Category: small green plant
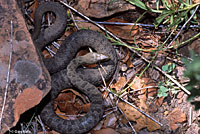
(193, 73)
(173, 14)
(168, 68)
(168, 85)
(162, 92)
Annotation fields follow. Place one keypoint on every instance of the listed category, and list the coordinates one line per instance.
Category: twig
(41, 123)
(74, 20)
(56, 45)
(8, 73)
(135, 90)
(130, 24)
(52, 53)
(104, 82)
(134, 51)
(190, 116)
(128, 121)
(143, 88)
(142, 112)
(183, 26)
(114, 109)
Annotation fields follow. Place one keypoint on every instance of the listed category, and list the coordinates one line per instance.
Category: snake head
(93, 57)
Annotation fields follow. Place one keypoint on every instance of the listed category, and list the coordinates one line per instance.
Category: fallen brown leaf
(71, 102)
(119, 84)
(105, 131)
(129, 63)
(141, 120)
(180, 95)
(139, 83)
(126, 32)
(159, 101)
(102, 8)
(176, 116)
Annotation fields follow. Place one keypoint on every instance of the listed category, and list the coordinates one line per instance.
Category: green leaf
(168, 68)
(138, 3)
(162, 92)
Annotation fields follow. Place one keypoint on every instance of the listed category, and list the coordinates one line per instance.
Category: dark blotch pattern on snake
(57, 66)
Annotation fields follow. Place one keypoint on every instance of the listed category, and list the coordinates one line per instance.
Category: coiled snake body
(64, 76)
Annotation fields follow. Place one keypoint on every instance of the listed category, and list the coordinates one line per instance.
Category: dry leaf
(102, 8)
(126, 32)
(141, 120)
(149, 40)
(139, 83)
(105, 131)
(71, 102)
(129, 63)
(86, 25)
(152, 126)
(159, 101)
(66, 103)
(136, 83)
(176, 116)
(61, 114)
(126, 56)
(153, 108)
(119, 84)
(196, 1)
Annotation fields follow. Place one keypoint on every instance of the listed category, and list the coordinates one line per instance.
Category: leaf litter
(141, 88)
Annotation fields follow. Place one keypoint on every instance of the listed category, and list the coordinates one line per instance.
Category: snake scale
(66, 71)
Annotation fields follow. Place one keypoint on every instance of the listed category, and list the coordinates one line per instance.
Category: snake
(66, 71)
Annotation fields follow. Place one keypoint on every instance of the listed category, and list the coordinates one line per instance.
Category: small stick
(52, 53)
(114, 109)
(41, 123)
(143, 112)
(128, 121)
(131, 24)
(8, 73)
(56, 45)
